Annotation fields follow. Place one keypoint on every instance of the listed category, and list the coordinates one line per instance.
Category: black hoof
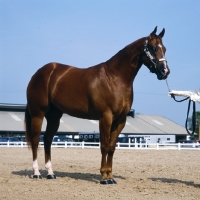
(51, 176)
(37, 176)
(108, 182)
(112, 181)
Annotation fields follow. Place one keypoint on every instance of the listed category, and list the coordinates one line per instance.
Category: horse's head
(154, 55)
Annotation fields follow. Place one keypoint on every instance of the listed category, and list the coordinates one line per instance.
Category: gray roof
(140, 124)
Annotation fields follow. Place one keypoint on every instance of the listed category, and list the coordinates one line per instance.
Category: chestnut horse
(103, 92)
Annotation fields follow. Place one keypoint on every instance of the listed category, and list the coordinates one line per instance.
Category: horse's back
(65, 86)
(71, 90)
(38, 87)
(85, 93)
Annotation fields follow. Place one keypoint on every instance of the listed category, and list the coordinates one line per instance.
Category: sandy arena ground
(140, 174)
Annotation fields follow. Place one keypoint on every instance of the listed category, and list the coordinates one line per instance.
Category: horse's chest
(122, 103)
(124, 97)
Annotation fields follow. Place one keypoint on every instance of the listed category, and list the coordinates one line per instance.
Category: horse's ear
(161, 34)
(154, 31)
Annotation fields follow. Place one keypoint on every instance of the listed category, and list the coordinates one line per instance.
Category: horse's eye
(154, 48)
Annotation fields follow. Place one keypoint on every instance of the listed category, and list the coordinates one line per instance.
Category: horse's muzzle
(162, 71)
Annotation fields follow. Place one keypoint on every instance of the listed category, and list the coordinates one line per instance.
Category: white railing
(134, 146)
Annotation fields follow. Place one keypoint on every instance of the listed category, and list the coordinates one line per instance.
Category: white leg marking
(48, 166)
(36, 168)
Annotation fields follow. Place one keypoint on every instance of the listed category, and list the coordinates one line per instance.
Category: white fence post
(129, 143)
(83, 145)
(157, 146)
(179, 146)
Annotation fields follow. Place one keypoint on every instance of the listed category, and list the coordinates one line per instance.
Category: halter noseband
(148, 54)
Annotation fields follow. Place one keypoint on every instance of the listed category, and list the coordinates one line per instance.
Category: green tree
(189, 125)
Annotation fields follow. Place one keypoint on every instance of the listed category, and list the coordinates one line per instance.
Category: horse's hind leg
(36, 123)
(53, 121)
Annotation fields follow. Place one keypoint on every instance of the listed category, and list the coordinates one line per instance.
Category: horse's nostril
(164, 70)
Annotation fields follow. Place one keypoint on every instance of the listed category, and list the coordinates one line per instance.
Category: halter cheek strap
(148, 54)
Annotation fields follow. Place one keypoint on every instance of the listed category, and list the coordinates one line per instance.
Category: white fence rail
(134, 146)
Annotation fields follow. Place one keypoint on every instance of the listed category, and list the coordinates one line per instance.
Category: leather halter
(148, 54)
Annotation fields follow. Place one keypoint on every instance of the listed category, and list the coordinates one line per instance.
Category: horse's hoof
(104, 182)
(37, 176)
(51, 176)
(108, 182)
(112, 181)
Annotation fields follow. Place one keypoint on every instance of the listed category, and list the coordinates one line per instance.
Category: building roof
(13, 121)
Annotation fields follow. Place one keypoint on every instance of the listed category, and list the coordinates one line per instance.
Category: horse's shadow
(171, 180)
(77, 176)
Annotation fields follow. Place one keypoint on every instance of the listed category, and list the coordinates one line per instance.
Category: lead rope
(167, 85)
(173, 96)
(193, 117)
(193, 113)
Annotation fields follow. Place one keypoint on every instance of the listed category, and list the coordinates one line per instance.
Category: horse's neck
(126, 63)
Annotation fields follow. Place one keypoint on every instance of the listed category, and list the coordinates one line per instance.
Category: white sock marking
(36, 168)
(48, 166)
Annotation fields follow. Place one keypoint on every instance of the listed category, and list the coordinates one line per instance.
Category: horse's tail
(27, 123)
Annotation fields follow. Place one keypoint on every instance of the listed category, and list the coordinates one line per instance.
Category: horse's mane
(127, 48)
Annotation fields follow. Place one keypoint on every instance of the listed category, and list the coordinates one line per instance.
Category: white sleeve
(181, 93)
(195, 97)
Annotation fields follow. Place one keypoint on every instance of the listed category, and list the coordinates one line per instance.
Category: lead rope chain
(193, 113)
(167, 85)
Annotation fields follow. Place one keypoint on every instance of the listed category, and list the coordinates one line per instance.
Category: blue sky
(85, 33)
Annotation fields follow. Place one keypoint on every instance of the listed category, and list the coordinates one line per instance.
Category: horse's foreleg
(105, 127)
(115, 131)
